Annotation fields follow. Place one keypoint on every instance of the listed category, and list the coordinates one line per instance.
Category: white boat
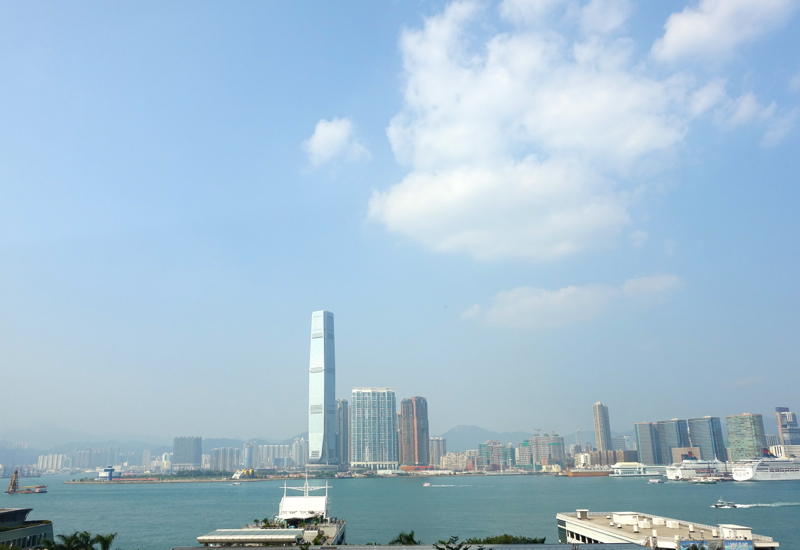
(635, 469)
(426, 484)
(656, 481)
(236, 483)
(690, 469)
(723, 504)
(767, 469)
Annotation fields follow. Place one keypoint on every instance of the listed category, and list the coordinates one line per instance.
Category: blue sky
(514, 209)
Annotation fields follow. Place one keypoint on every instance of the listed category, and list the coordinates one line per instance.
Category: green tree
(405, 539)
(506, 539)
(105, 541)
(453, 544)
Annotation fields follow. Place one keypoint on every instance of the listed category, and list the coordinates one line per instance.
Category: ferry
(690, 469)
(767, 469)
(723, 504)
(635, 469)
(656, 481)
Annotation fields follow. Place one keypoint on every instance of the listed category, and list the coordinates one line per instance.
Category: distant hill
(463, 438)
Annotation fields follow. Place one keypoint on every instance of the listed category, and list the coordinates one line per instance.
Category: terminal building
(652, 531)
(17, 530)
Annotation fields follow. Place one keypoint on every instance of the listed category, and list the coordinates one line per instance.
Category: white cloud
(604, 16)
(334, 139)
(778, 128)
(534, 308)
(472, 312)
(713, 29)
(638, 238)
(522, 150)
(710, 95)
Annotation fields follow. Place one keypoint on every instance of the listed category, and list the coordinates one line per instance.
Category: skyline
(575, 203)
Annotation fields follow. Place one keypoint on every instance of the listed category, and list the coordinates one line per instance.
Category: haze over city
(514, 209)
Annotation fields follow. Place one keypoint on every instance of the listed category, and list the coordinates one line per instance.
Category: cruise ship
(693, 469)
(767, 469)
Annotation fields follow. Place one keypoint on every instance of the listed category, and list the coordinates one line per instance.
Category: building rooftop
(621, 546)
(638, 528)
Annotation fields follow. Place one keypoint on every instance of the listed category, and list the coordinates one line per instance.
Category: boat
(702, 481)
(656, 481)
(426, 484)
(15, 489)
(690, 469)
(301, 520)
(588, 472)
(236, 483)
(635, 469)
(723, 504)
(767, 469)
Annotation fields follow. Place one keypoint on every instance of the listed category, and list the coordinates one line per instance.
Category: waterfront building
(187, 453)
(622, 443)
(206, 462)
(543, 449)
(788, 428)
(438, 448)
(322, 391)
(300, 452)
(706, 434)
(413, 432)
(454, 461)
(746, 436)
(225, 459)
(17, 531)
(373, 429)
(492, 455)
(342, 432)
(54, 462)
(602, 427)
(579, 439)
(274, 456)
(608, 458)
(653, 532)
(648, 443)
(147, 462)
(248, 458)
(672, 434)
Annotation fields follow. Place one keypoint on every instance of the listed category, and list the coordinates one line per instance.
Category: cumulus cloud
(714, 28)
(334, 139)
(535, 308)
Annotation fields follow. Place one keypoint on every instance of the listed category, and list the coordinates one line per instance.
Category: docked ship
(767, 469)
(588, 472)
(689, 470)
(635, 469)
(301, 520)
(15, 489)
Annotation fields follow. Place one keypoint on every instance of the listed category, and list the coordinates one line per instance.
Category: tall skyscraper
(706, 434)
(373, 429)
(788, 428)
(187, 453)
(438, 448)
(322, 391)
(249, 455)
(746, 436)
(146, 461)
(602, 427)
(648, 442)
(414, 436)
(672, 434)
(342, 431)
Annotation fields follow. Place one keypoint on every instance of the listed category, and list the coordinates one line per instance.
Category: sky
(514, 209)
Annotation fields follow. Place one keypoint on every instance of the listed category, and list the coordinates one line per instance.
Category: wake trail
(773, 505)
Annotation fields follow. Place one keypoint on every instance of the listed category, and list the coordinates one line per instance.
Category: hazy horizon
(514, 209)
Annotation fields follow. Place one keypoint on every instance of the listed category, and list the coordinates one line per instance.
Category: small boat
(702, 481)
(656, 481)
(723, 504)
(426, 484)
(236, 483)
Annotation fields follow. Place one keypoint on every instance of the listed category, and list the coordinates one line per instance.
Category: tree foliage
(405, 539)
(80, 540)
(506, 539)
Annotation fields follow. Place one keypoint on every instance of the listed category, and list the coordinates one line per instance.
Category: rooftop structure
(648, 530)
(17, 530)
(256, 544)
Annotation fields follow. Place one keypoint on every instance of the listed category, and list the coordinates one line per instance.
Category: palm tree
(405, 539)
(85, 541)
(69, 542)
(105, 541)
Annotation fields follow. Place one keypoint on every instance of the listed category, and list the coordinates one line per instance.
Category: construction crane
(15, 489)
(538, 431)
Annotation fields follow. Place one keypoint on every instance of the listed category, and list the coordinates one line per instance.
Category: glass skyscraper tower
(322, 391)
(602, 427)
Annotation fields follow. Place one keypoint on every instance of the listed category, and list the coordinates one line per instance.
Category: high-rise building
(602, 427)
(414, 436)
(373, 429)
(299, 452)
(187, 453)
(772, 440)
(579, 439)
(648, 443)
(225, 459)
(438, 448)
(249, 457)
(493, 455)
(746, 436)
(672, 434)
(342, 432)
(788, 428)
(706, 433)
(146, 460)
(322, 391)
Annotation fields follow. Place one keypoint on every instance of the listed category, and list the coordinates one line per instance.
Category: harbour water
(162, 516)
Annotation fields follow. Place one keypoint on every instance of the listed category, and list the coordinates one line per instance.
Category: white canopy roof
(304, 507)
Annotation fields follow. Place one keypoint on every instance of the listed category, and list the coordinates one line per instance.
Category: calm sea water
(162, 516)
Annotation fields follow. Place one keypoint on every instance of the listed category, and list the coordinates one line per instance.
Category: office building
(299, 452)
(413, 432)
(648, 443)
(438, 448)
(373, 429)
(322, 391)
(772, 440)
(746, 436)
(249, 458)
(17, 531)
(187, 453)
(602, 427)
(342, 432)
(788, 428)
(706, 433)
(679, 454)
(672, 434)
